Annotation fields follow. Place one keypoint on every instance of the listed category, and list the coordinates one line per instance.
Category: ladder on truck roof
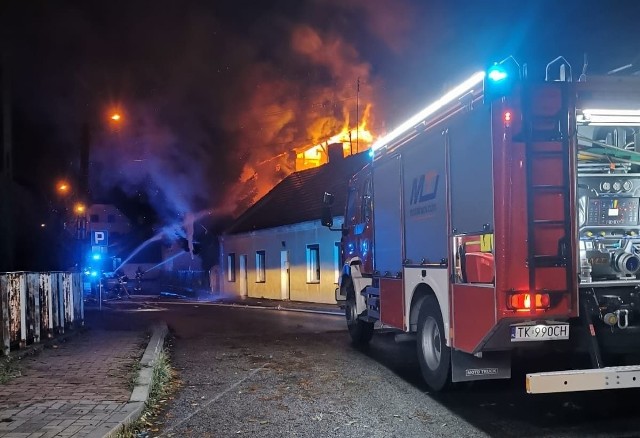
(549, 169)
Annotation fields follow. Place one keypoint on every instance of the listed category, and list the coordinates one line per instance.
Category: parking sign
(100, 238)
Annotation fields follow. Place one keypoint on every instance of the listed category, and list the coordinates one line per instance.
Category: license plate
(539, 332)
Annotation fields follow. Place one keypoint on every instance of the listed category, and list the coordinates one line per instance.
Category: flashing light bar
(609, 117)
(449, 97)
(497, 73)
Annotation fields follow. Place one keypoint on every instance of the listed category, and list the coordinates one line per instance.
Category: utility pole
(357, 114)
(6, 177)
(85, 151)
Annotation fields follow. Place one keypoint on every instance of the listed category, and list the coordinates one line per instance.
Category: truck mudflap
(584, 380)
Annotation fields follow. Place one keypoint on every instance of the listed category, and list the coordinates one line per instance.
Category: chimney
(335, 152)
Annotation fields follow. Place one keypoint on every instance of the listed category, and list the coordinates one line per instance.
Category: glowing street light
(79, 208)
(116, 117)
(63, 187)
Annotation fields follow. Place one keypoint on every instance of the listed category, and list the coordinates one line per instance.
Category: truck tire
(360, 331)
(433, 353)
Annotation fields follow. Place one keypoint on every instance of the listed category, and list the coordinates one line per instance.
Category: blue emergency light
(500, 79)
(497, 73)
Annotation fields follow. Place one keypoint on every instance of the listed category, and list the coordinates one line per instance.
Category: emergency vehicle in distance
(502, 217)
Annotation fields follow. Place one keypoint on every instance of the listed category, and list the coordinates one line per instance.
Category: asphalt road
(273, 373)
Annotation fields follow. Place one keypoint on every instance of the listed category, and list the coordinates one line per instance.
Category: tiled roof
(298, 197)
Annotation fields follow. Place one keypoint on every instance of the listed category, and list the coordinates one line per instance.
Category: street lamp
(63, 188)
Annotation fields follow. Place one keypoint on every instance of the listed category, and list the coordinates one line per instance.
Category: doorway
(243, 276)
(285, 282)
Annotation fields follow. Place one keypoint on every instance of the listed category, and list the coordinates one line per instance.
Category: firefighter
(122, 284)
(139, 274)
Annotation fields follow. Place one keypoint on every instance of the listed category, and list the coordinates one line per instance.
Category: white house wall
(294, 239)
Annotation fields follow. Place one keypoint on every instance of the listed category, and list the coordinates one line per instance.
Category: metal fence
(36, 305)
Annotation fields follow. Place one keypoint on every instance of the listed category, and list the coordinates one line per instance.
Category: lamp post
(80, 211)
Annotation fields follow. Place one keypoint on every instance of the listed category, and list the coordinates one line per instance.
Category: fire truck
(503, 220)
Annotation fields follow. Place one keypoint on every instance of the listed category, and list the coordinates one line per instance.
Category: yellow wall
(294, 239)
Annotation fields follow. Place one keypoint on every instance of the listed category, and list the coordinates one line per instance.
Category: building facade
(299, 262)
(278, 248)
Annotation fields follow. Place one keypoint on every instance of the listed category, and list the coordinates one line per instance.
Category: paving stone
(73, 389)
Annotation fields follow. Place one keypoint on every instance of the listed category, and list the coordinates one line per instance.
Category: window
(111, 218)
(94, 218)
(350, 216)
(313, 263)
(231, 267)
(336, 262)
(260, 268)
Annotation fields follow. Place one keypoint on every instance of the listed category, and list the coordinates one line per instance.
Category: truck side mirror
(327, 217)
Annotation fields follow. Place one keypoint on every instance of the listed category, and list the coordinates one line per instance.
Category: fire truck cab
(504, 217)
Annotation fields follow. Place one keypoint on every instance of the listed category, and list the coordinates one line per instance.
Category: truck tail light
(523, 301)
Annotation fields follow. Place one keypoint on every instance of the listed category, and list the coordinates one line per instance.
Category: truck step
(550, 187)
(549, 261)
(548, 222)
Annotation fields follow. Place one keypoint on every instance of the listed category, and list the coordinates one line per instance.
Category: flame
(353, 141)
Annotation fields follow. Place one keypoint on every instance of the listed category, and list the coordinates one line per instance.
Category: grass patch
(134, 369)
(161, 387)
(9, 369)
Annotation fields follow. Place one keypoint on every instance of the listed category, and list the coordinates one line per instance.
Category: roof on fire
(298, 197)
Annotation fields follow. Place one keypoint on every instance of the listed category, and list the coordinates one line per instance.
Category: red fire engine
(504, 217)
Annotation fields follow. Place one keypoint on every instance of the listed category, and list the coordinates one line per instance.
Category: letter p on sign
(99, 238)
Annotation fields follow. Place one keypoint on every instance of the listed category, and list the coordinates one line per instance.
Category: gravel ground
(270, 374)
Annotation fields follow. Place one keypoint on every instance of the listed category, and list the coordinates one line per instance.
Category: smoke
(284, 113)
(143, 155)
(216, 98)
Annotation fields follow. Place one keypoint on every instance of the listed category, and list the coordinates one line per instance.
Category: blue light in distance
(96, 257)
(94, 273)
(497, 73)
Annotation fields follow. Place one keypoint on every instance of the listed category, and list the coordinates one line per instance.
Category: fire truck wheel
(433, 353)
(360, 331)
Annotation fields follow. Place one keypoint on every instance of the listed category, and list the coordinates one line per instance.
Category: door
(285, 292)
(243, 276)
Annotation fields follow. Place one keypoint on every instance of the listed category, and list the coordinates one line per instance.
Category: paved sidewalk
(83, 387)
(80, 388)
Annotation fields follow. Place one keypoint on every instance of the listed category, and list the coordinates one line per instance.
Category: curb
(189, 302)
(254, 306)
(140, 394)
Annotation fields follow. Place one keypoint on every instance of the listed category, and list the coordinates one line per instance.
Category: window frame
(231, 267)
(313, 272)
(261, 270)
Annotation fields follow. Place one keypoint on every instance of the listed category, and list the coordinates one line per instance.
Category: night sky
(208, 89)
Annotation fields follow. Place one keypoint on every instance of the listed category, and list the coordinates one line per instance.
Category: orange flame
(353, 141)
